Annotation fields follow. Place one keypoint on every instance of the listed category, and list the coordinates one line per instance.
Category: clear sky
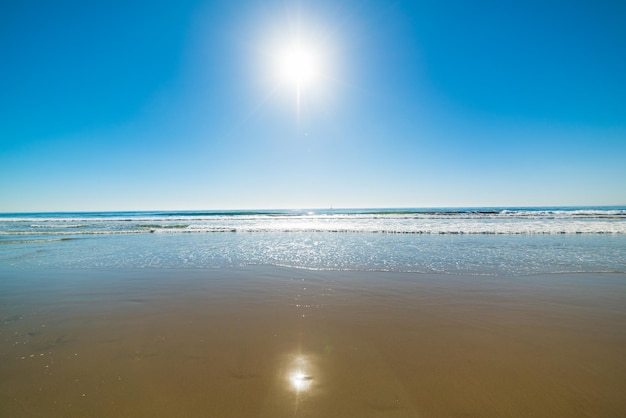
(132, 105)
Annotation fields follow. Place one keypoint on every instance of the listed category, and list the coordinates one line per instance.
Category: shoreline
(276, 341)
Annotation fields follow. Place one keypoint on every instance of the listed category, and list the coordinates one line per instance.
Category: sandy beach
(277, 342)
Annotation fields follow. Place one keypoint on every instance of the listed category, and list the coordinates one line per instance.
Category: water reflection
(300, 381)
(300, 375)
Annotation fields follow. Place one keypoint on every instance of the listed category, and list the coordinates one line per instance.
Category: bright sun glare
(299, 64)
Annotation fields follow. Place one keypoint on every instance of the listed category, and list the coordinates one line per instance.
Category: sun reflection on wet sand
(300, 381)
(300, 378)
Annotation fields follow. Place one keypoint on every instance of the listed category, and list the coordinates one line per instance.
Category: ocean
(468, 241)
(485, 312)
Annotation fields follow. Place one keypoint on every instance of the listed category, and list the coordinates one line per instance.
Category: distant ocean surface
(492, 241)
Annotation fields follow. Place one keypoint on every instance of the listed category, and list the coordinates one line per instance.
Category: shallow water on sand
(280, 342)
(452, 254)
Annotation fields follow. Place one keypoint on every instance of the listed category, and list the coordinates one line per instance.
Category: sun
(299, 64)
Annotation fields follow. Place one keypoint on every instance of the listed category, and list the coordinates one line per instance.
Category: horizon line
(331, 208)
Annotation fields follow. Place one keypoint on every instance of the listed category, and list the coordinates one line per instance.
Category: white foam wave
(487, 221)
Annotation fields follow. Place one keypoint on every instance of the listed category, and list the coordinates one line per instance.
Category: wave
(166, 230)
(34, 241)
(40, 233)
(50, 226)
(40, 219)
(159, 226)
(485, 221)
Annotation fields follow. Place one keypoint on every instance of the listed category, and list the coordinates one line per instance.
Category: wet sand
(273, 342)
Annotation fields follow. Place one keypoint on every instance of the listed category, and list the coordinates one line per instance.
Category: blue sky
(177, 105)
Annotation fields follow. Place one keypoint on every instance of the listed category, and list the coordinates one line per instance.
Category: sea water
(466, 241)
(501, 312)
